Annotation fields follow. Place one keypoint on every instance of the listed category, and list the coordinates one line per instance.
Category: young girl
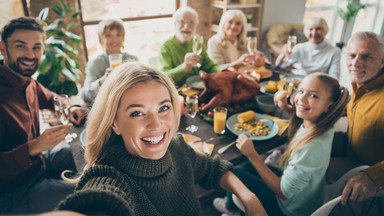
(298, 188)
(111, 34)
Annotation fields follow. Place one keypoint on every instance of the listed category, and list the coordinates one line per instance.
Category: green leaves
(58, 71)
(349, 9)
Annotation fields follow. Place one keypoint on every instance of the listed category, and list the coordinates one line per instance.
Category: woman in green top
(136, 163)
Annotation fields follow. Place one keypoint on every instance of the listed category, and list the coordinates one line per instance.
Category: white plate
(262, 88)
(195, 82)
(82, 138)
(231, 121)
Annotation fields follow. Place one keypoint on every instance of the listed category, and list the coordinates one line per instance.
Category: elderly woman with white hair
(315, 55)
(228, 47)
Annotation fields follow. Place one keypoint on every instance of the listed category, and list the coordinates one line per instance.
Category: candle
(181, 99)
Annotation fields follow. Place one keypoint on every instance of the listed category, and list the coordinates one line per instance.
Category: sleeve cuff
(376, 173)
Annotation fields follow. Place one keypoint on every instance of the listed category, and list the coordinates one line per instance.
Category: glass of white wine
(291, 42)
(252, 46)
(62, 107)
(197, 46)
(192, 106)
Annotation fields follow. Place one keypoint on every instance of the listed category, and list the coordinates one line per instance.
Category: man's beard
(16, 66)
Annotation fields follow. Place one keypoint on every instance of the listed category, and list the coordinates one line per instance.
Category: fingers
(280, 96)
(345, 194)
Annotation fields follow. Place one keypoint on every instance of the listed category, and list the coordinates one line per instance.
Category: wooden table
(205, 131)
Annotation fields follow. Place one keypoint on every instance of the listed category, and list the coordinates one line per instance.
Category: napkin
(283, 125)
(188, 92)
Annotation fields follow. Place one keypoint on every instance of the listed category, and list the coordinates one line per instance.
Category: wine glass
(62, 106)
(197, 46)
(191, 103)
(252, 46)
(291, 42)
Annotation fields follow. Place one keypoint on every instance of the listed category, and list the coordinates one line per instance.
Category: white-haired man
(176, 56)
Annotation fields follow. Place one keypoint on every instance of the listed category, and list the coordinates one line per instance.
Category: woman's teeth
(153, 140)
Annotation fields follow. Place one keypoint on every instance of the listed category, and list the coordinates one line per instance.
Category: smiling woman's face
(145, 119)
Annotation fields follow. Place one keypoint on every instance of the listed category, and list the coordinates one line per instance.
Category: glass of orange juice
(219, 118)
(115, 60)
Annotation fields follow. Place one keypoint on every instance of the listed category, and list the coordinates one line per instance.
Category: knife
(206, 140)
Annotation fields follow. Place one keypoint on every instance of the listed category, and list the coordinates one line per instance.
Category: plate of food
(195, 82)
(253, 70)
(82, 138)
(256, 126)
(268, 88)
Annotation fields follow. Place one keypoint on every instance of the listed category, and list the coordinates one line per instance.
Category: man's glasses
(183, 22)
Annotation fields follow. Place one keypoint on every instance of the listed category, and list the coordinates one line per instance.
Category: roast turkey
(226, 87)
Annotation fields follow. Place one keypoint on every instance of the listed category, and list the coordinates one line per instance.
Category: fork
(223, 149)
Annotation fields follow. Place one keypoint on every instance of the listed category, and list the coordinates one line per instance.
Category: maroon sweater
(19, 124)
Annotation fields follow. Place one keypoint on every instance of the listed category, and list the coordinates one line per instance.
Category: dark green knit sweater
(122, 184)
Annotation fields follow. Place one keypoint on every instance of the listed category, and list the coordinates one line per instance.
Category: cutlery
(206, 140)
(185, 89)
(223, 149)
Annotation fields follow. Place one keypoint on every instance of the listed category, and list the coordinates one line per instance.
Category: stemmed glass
(62, 106)
(197, 46)
(191, 103)
(252, 46)
(291, 42)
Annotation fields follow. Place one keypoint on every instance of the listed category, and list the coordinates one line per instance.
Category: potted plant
(347, 11)
(59, 71)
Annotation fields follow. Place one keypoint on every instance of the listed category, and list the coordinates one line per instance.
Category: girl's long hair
(339, 96)
(241, 38)
(99, 131)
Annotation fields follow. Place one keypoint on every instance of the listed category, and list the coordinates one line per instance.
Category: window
(148, 23)
(368, 19)
(10, 9)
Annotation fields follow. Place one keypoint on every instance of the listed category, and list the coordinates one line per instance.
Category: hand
(358, 188)
(260, 58)
(285, 50)
(190, 60)
(244, 59)
(77, 115)
(245, 145)
(49, 139)
(280, 98)
(104, 77)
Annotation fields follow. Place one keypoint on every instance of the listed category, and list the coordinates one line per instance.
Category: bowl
(266, 104)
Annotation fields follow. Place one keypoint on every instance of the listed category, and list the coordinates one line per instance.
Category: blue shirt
(303, 179)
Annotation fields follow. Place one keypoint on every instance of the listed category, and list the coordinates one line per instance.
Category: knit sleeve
(207, 64)
(207, 170)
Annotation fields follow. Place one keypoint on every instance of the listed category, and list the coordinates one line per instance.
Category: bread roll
(246, 116)
(270, 88)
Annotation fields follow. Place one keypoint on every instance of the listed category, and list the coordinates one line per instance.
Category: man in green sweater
(176, 56)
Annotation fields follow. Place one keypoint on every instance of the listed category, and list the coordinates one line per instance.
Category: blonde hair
(315, 21)
(109, 25)
(228, 15)
(339, 96)
(99, 131)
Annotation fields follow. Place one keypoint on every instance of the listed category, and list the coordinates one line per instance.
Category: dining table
(205, 131)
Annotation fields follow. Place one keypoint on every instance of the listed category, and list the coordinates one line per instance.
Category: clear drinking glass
(192, 107)
(197, 46)
(115, 60)
(62, 106)
(252, 46)
(291, 42)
